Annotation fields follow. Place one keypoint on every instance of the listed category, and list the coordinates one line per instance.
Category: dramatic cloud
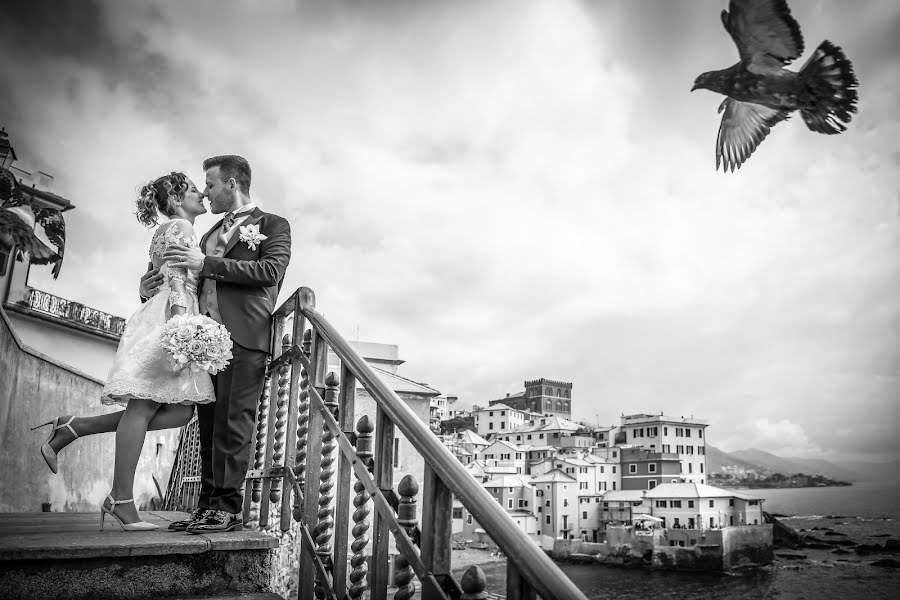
(507, 190)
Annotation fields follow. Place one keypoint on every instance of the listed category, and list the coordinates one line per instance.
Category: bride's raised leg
(168, 416)
(130, 436)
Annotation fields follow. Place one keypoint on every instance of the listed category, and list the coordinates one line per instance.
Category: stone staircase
(64, 555)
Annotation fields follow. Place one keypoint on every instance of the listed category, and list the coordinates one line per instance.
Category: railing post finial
(306, 297)
(473, 583)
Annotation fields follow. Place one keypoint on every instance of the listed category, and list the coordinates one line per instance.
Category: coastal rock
(887, 563)
(791, 555)
(866, 549)
(830, 532)
(581, 559)
(841, 551)
(892, 545)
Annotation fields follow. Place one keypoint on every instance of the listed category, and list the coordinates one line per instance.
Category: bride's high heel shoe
(138, 526)
(47, 451)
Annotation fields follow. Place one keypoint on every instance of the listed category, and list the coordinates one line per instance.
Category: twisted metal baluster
(259, 454)
(281, 415)
(358, 561)
(302, 425)
(325, 516)
(406, 518)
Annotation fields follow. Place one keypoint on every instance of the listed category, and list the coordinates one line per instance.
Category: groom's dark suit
(239, 288)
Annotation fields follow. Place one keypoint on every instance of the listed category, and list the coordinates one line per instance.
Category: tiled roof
(694, 490)
(404, 385)
(553, 476)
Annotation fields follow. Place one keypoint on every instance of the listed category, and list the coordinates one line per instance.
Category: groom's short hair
(231, 166)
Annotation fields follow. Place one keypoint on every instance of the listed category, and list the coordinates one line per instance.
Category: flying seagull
(761, 92)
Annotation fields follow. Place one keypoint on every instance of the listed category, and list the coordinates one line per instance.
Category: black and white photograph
(449, 299)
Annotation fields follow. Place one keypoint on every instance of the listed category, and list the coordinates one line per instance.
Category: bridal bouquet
(197, 343)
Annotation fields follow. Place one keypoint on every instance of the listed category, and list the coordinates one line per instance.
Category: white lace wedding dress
(141, 368)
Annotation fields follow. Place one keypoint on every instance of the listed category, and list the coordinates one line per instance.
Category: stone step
(65, 555)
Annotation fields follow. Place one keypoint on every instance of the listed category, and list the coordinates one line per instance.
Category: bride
(141, 377)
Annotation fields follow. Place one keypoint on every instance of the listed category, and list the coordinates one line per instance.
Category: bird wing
(14, 232)
(55, 229)
(766, 35)
(744, 126)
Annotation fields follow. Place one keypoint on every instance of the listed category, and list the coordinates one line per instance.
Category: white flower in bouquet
(197, 343)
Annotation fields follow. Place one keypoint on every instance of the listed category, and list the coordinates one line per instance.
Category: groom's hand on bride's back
(150, 282)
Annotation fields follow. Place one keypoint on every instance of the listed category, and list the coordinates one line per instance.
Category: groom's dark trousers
(241, 280)
(226, 430)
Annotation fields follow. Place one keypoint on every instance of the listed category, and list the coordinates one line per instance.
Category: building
(542, 396)
(556, 494)
(541, 430)
(498, 418)
(622, 506)
(503, 457)
(644, 469)
(684, 437)
(699, 506)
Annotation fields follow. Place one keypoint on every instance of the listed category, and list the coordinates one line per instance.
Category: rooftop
(638, 419)
(694, 490)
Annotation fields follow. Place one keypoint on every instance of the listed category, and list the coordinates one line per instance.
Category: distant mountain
(716, 459)
(808, 466)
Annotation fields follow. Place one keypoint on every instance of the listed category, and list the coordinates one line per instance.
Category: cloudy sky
(508, 190)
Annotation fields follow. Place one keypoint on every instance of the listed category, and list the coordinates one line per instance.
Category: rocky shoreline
(841, 537)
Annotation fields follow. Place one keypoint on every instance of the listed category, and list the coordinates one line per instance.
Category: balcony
(70, 314)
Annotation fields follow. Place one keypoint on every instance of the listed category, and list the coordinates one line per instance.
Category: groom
(241, 261)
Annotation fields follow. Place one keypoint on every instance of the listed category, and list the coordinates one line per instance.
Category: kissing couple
(232, 275)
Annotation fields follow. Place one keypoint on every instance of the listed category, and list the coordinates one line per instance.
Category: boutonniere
(251, 236)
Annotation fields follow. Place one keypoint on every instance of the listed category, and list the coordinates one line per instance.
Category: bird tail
(830, 86)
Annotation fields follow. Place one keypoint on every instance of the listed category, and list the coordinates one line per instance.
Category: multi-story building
(542, 396)
(557, 496)
(504, 455)
(699, 506)
(644, 469)
(682, 436)
(589, 511)
(540, 431)
(498, 419)
(622, 506)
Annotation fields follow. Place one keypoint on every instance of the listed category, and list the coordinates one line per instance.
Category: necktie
(229, 221)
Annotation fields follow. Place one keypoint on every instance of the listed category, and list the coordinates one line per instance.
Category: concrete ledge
(68, 536)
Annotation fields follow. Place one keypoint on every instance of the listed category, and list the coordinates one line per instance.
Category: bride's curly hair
(159, 197)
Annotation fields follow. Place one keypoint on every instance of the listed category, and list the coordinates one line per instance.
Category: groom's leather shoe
(195, 517)
(216, 521)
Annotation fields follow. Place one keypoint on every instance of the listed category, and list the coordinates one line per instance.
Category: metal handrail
(534, 565)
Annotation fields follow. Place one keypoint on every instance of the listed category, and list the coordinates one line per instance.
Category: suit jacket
(248, 280)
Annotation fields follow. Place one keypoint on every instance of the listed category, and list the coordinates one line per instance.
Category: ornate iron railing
(308, 450)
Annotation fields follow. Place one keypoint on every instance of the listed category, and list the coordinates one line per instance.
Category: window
(660, 504)
(491, 425)
(601, 469)
(457, 512)
(731, 502)
(502, 413)
(522, 503)
(565, 502)
(547, 521)
(614, 469)
(712, 522)
(651, 468)
(502, 424)
(675, 504)
(665, 431)
(584, 515)
(651, 484)
(469, 519)
(518, 438)
(491, 414)
(509, 503)
(701, 467)
(541, 436)
(690, 504)
(547, 503)
(687, 433)
(690, 467)
(632, 468)
(699, 433)
(712, 503)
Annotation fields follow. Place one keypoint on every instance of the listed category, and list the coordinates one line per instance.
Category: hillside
(789, 466)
